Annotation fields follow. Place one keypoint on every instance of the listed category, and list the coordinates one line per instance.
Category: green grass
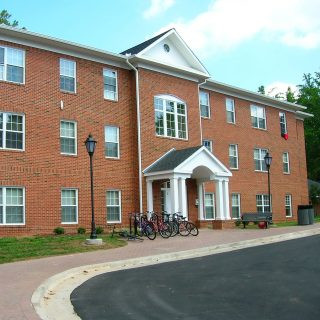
(15, 249)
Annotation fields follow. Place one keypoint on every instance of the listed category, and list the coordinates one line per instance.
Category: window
(11, 206)
(209, 204)
(233, 156)
(111, 142)
(235, 205)
(12, 64)
(207, 144)
(259, 162)
(258, 117)
(68, 137)
(285, 160)
(67, 75)
(110, 84)
(204, 104)
(170, 117)
(11, 131)
(113, 206)
(283, 123)
(288, 204)
(69, 206)
(262, 201)
(231, 116)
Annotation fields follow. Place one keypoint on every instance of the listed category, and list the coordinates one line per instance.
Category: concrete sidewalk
(19, 280)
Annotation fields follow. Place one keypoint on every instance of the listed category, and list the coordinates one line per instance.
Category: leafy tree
(5, 19)
(290, 96)
(314, 194)
(261, 90)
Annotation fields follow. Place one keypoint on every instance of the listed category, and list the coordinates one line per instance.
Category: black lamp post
(268, 160)
(91, 146)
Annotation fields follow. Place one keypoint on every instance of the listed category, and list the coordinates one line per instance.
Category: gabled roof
(141, 46)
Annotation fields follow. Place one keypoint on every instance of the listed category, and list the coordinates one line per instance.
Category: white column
(219, 200)
(183, 207)
(200, 201)
(149, 196)
(174, 195)
(226, 200)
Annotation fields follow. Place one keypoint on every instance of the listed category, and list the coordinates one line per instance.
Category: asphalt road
(277, 281)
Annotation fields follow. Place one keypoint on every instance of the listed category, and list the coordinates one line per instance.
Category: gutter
(139, 133)
(200, 84)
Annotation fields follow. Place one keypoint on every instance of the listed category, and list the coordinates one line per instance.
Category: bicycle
(144, 227)
(161, 226)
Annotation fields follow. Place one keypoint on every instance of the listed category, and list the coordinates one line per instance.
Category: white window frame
(208, 106)
(104, 91)
(5, 63)
(238, 206)
(74, 75)
(288, 205)
(120, 207)
(286, 162)
(284, 123)
(234, 156)
(4, 205)
(233, 110)
(209, 146)
(264, 206)
(213, 206)
(175, 100)
(106, 141)
(77, 208)
(75, 137)
(261, 159)
(252, 107)
(4, 130)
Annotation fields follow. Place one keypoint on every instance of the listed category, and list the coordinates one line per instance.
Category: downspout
(139, 134)
(200, 84)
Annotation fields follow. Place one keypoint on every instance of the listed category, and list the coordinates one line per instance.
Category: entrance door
(165, 197)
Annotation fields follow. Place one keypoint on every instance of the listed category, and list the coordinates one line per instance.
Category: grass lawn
(14, 249)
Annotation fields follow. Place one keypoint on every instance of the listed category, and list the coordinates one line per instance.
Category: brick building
(168, 137)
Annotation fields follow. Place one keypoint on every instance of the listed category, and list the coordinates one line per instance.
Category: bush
(58, 230)
(81, 230)
(99, 230)
(237, 223)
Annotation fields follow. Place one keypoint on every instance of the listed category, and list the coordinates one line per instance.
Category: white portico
(197, 163)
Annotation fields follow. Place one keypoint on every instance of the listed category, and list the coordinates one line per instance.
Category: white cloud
(228, 23)
(278, 89)
(157, 7)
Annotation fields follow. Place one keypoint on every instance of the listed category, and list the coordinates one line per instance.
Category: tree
(290, 96)
(5, 19)
(261, 90)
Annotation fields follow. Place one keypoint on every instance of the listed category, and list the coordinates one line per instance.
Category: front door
(165, 197)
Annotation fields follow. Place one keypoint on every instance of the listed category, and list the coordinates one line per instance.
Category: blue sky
(244, 43)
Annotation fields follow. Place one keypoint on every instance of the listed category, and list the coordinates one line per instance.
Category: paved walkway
(19, 280)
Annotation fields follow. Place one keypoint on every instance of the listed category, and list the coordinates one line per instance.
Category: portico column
(174, 195)
(200, 201)
(225, 184)
(220, 203)
(149, 196)
(183, 208)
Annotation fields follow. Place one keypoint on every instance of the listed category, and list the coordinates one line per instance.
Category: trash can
(311, 214)
(303, 215)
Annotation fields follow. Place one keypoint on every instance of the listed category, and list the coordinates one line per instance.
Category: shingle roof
(138, 48)
(172, 160)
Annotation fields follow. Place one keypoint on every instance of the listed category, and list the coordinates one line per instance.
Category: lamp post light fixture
(268, 160)
(91, 146)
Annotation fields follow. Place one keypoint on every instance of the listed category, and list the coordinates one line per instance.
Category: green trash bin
(311, 214)
(303, 215)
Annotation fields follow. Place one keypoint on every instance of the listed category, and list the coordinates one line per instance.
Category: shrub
(81, 230)
(58, 230)
(99, 230)
(237, 223)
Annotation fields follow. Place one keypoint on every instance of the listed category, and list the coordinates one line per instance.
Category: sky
(245, 43)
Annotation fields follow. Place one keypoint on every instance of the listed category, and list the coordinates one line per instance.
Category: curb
(51, 299)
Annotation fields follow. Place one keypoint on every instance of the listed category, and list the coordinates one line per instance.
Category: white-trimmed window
(110, 83)
(286, 163)
(67, 75)
(209, 205)
(208, 144)
(288, 205)
(259, 162)
(12, 64)
(170, 117)
(204, 104)
(230, 109)
(235, 205)
(262, 201)
(233, 156)
(258, 117)
(111, 136)
(11, 131)
(283, 123)
(69, 206)
(113, 203)
(12, 208)
(68, 137)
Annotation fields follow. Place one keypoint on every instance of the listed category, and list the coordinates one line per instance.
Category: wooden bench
(256, 217)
